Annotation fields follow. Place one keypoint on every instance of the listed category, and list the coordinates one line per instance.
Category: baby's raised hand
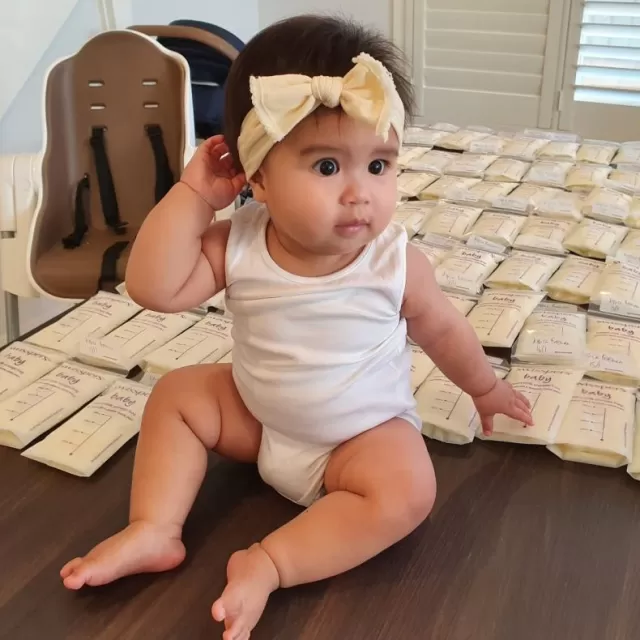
(211, 174)
(503, 398)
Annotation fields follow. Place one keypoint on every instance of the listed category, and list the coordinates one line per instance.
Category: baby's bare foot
(140, 548)
(251, 578)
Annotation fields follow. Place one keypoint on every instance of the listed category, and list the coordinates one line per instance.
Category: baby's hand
(503, 398)
(211, 174)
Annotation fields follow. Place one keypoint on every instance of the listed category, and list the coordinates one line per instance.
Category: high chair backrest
(118, 119)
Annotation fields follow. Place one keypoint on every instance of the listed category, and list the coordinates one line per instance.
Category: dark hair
(311, 45)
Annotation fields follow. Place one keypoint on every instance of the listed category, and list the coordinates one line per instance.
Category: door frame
(116, 14)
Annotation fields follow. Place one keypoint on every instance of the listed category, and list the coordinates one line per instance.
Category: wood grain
(520, 545)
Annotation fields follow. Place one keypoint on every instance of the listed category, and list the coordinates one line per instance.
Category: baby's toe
(78, 577)
(68, 568)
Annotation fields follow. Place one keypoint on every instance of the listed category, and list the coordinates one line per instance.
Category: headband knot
(327, 90)
(280, 103)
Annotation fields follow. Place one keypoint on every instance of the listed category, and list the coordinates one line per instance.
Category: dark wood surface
(519, 546)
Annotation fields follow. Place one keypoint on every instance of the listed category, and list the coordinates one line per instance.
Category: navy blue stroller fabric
(209, 71)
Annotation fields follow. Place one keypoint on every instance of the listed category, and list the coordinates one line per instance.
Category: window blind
(608, 69)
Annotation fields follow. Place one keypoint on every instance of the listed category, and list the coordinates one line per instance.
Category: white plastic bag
(584, 177)
(559, 204)
(575, 281)
(614, 350)
(543, 234)
(500, 315)
(525, 271)
(449, 219)
(549, 390)
(506, 170)
(501, 228)
(598, 426)
(595, 239)
(548, 173)
(465, 270)
(554, 334)
(607, 205)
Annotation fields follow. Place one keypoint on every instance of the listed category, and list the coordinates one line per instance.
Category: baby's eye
(327, 167)
(377, 167)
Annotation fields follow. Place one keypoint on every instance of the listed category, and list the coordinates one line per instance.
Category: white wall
(21, 126)
(238, 16)
(376, 13)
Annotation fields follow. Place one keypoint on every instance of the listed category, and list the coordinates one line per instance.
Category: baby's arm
(178, 258)
(448, 339)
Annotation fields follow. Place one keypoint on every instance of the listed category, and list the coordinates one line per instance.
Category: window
(608, 66)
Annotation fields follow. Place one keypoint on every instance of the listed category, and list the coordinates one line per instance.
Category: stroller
(121, 117)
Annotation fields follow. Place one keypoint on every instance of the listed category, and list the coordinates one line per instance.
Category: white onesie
(317, 360)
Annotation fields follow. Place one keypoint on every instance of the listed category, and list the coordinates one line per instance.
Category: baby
(325, 292)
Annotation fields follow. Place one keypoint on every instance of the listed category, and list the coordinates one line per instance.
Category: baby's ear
(257, 187)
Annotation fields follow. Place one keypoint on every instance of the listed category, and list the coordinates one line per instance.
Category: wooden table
(520, 546)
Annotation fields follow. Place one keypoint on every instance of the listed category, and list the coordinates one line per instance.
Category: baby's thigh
(205, 397)
(389, 465)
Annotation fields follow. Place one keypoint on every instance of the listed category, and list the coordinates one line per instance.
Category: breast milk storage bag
(93, 435)
(524, 271)
(447, 413)
(501, 228)
(560, 205)
(205, 342)
(543, 235)
(43, 404)
(451, 220)
(595, 239)
(598, 425)
(483, 194)
(500, 315)
(554, 334)
(435, 247)
(549, 390)
(94, 318)
(617, 291)
(575, 281)
(465, 270)
(22, 363)
(634, 464)
(126, 347)
(506, 170)
(614, 350)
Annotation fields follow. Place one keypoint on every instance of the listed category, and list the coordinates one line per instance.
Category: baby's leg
(381, 486)
(190, 411)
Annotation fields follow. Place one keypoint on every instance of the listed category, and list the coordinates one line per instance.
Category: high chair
(118, 128)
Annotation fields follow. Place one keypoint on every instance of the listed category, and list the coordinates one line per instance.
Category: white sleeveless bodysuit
(317, 360)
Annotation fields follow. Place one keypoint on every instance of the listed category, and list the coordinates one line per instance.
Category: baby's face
(331, 184)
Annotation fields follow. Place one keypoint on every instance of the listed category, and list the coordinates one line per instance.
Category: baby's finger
(238, 182)
(487, 425)
(523, 407)
(211, 142)
(524, 399)
(521, 415)
(219, 151)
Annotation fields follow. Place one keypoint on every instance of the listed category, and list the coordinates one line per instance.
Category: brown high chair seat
(118, 130)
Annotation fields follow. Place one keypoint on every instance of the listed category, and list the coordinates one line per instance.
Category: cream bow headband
(367, 92)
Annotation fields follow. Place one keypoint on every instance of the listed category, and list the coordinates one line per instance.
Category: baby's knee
(171, 391)
(407, 503)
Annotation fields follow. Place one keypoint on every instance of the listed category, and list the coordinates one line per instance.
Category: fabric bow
(367, 93)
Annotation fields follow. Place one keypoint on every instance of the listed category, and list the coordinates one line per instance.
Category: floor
(521, 545)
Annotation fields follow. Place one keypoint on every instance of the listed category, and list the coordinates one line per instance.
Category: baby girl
(325, 292)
